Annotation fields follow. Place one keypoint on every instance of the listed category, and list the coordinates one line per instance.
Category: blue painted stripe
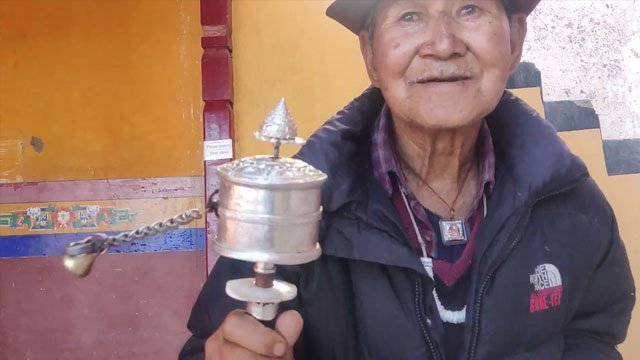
(53, 244)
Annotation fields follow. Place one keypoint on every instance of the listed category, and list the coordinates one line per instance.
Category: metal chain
(155, 228)
(162, 226)
(99, 243)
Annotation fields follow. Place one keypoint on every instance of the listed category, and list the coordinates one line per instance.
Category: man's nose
(440, 39)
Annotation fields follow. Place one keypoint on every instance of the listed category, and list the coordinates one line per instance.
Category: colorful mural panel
(91, 216)
(39, 219)
(76, 217)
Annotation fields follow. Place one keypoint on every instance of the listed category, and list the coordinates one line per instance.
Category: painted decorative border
(572, 115)
(67, 217)
(38, 219)
(91, 216)
(621, 156)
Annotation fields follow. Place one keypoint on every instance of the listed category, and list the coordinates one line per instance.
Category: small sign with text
(218, 149)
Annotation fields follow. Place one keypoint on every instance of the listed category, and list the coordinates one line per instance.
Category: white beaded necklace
(448, 316)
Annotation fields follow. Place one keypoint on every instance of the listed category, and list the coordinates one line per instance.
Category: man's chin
(447, 120)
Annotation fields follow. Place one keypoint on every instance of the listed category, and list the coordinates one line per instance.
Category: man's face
(442, 63)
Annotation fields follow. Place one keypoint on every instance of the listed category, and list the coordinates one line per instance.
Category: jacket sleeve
(213, 304)
(602, 318)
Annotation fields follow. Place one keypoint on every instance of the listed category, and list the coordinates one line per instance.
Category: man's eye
(469, 10)
(409, 16)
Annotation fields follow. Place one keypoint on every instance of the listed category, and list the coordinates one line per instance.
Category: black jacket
(550, 278)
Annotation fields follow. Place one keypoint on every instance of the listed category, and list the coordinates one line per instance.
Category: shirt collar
(385, 156)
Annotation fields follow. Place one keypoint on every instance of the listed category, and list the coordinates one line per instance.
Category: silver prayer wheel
(268, 213)
(269, 210)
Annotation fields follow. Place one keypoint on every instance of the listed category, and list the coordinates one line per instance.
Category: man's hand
(241, 337)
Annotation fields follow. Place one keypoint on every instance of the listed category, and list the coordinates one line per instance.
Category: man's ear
(518, 25)
(366, 48)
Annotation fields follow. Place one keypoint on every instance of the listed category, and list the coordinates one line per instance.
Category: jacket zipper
(527, 214)
(483, 287)
(419, 307)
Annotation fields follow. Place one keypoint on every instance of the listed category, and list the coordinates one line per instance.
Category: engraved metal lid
(267, 170)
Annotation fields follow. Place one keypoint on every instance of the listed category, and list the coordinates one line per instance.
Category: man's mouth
(449, 78)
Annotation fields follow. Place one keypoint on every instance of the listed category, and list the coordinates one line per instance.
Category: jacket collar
(531, 162)
(339, 144)
(528, 150)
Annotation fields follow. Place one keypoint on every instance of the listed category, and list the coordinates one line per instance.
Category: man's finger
(243, 330)
(289, 324)
(229, 351)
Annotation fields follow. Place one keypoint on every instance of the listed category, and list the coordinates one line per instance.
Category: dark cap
(352, 13)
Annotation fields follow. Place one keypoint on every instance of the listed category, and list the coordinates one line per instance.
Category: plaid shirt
(387, 171)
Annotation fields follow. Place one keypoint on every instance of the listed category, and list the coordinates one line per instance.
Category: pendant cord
(453, 204)
(448, 316)
(423, 245)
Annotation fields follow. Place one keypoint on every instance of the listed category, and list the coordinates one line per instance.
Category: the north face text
(547, 286)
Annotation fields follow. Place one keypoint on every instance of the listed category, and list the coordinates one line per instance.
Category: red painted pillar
(217, 93)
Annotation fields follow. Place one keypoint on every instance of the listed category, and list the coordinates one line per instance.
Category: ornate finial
(278, 126)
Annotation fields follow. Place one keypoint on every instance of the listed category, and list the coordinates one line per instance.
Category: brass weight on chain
(79, 256)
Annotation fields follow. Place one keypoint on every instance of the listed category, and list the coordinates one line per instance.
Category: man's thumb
(289, 325)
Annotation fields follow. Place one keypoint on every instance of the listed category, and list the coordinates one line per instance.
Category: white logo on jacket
(547, 288)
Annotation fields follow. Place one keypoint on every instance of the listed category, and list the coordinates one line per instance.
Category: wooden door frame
(217, 93)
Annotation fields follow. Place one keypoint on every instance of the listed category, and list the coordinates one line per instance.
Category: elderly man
(537, 269)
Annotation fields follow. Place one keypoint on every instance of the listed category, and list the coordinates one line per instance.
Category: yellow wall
(289, 48)
(112, 87)
(316, 65)
(623, 192)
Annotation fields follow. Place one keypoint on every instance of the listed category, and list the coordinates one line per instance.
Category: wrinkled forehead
(377, 6)
(353, 14)
(386, 8)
